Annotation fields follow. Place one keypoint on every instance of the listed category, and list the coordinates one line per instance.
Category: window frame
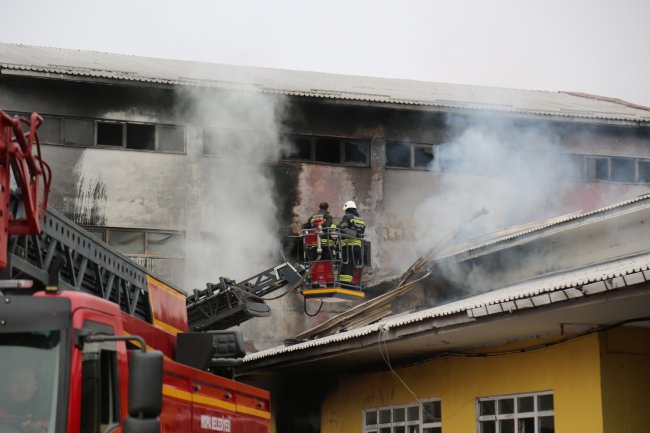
(406, 422)
(583, 161)
(515, 415)
(158, 127)
(412, 146)
(363, 145)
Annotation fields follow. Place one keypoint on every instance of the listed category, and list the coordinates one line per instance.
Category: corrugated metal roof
(579, 283)
(564, 286)
(67, 63)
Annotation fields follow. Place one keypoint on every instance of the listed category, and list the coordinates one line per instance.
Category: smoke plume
(233, 226)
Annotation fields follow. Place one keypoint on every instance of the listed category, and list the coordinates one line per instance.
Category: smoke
(509, 168)
(233, 229)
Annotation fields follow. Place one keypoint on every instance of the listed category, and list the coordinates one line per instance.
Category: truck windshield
(29, 381)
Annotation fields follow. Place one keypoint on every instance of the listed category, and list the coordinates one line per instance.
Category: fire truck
(91, 342)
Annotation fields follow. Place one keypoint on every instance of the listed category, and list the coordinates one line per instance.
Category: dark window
(422, 156)
(302, 148)
(171, 138)
(50, 130)
(597, 168)
(357, 151)
(140, 137)
(486, 407)
(623, 169)
(644, 171)
(327, 150)
(398, 155)
(79, 132)
(110, 134)
(526, 404)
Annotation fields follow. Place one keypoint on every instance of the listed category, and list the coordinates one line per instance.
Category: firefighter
(321, 222)
(352, 229)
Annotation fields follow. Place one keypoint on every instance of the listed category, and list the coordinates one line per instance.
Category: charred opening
(141, 137)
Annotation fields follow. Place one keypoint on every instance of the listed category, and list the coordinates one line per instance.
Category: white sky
(593, 46)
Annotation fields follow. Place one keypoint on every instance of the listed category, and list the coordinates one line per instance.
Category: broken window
(516, 413)
(644, 171)
(171, 138)
(623, 169)
(356, 151)
(327, 150)
(79, 132)
(422, 156)
(398, 155)
(50, 130)
(597, 168)
(110, 134)
(140, 136)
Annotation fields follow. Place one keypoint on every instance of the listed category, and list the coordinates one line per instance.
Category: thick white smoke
(507, 168)
(233, 228)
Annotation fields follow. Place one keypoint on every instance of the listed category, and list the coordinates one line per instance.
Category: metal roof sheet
(68, 63)
(558, 288)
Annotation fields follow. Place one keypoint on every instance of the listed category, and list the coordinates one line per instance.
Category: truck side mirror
(145, 392)
(145, 383)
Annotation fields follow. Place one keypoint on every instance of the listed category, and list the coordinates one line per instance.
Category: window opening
(126, 241)
(597, 168)
(398, 155)
(327, 150)
(644, 171)
(524, 413)
(413, 418)
(78, 132)
(140, 137)
(302, 149)
(164, 244)
(356, 151)
(110, 134)
(422, 156)
(623, 169)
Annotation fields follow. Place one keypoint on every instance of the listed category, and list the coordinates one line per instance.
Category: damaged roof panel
(68, 64)
(522, 296)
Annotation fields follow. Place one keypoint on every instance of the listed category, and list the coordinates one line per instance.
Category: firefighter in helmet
(352, 229)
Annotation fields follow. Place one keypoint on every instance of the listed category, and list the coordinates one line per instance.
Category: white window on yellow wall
(518, 413)
(423, 417)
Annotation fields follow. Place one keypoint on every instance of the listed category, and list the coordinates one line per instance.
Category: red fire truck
(91, 342)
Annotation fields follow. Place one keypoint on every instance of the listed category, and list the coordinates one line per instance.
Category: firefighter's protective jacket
(352, 221)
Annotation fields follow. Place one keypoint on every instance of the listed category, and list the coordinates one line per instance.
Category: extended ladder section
(228, 303)
(67, 256)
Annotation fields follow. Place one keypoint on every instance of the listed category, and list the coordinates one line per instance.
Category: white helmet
(349, 205)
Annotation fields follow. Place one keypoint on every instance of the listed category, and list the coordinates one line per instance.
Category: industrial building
(200, 170)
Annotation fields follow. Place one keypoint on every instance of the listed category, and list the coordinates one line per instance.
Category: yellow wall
(626, 380)
(571, 370)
